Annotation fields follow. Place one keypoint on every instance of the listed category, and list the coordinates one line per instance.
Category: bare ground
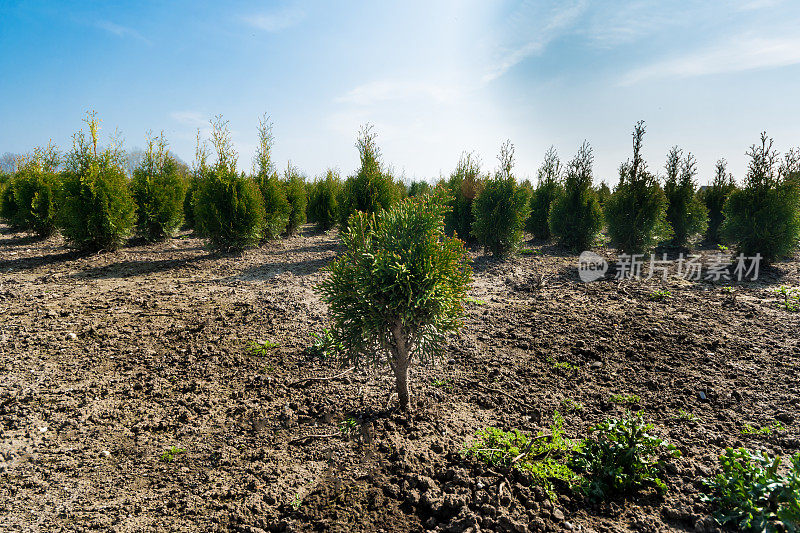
(107, 361)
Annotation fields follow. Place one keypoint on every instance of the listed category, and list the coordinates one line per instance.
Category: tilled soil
(108, 361)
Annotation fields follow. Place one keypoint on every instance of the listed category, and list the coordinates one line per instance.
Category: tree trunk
(401, 379)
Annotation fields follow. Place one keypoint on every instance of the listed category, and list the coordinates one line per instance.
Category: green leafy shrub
(621, 456)
(544, 455)
(323, 203)
(277, 208)
(464, 185)
(575, 216)
(158, 189)
(294, 186)
(228, 208)
(714, 198)
(399, 287)
(501, 209)
(763, 217)
(603, 193)
(97, 211)
(751, 495)
(547, 190)
(636, 213)
(371, 189)
(30, 199)
(686, 212)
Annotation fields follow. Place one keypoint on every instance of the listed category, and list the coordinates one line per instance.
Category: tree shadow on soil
(134, 268)
(32, 263)
(267, 271)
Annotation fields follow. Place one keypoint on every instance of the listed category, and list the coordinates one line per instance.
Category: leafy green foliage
(686, 212)
(548, 189)
(625, 399)
(294, 186)
(764, 215)
(323, 202)
(418, 188)
(97, 210)
(621, 456)
(659, 295)
(277, 209)
(30, 199)
(575, 215)
(751, 495)
(714, 198)
(501, 209)
(747, 429)
(169, 455)
(228, 209)
(199, 171)
(348, 427)
(636, 213)
(261, 348)
(791, 298)
(464, 185)
(159, 190)
(398, 288)
(371, 189)
(603, 193)
(544, 455)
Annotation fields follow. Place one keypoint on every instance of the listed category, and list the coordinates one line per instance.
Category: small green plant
(543, 455)
(659, 295)
(722, 248)
(30, 200)
(621, 456)
(751, 495)
(685, 416)
(625, 399)
(441, 383)
(501, 209)
(730, 289)
(747, 429)
(348, 427)
(296, 502)
(563, 366)
(571, 406)
(169, 455)
(475, 301)
(324, 345)
(261, 348)
(791, 298)
(529, 251)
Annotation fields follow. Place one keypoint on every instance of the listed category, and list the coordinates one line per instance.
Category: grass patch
(261, 348)
(747, 429)
(169, 455)
(625, 399)
(659, 295)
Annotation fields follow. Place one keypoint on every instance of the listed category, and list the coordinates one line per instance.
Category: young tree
(158, 189)
(199, 171)
(686, 213)
(228, 208)
(97, 211)
(464, 185)
(294, 186)
(603, 193)
(763, 217)
(323, 205)
(277, 208)
(399, 287)
(30, 200)
(501, 208)
(547, 190)
(575, 217)
(714, 197)
(636, 213)
(417, 188)
(371, 189)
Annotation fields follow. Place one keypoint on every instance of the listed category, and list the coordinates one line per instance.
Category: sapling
(399, 287)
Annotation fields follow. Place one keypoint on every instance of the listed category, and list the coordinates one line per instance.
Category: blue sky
(436, 77)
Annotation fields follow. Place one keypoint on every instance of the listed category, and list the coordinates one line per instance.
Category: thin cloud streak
(736, 56)
(121, 31)
(276, 21)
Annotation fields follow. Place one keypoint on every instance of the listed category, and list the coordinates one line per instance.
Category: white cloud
(277, 20)
(734, 56)
(393, 90)
(190, 118)
(558, 22)
(121, 31)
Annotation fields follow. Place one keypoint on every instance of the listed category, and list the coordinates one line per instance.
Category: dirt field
(107, 361)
